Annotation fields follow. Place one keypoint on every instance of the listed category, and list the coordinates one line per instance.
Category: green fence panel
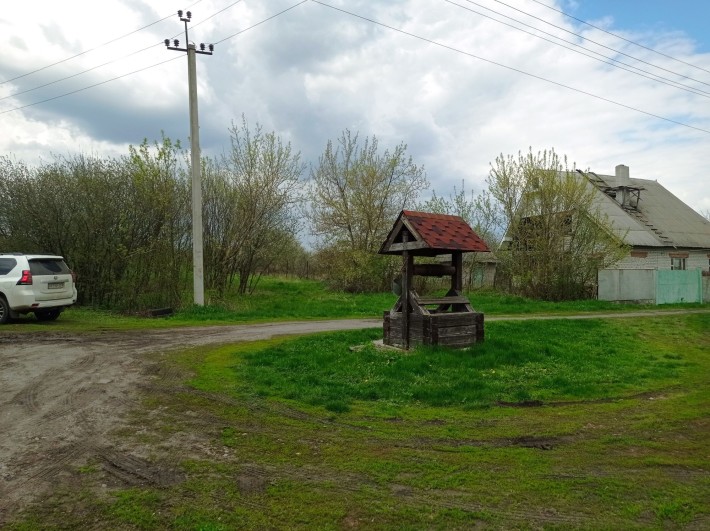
(678, 286)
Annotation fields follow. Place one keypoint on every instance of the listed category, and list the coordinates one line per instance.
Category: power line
(113, 60)
(622, 38)
(217, 13)
(601, 58)
(85, 51)
(88, 87)
(587, 49)
(598, 43)
(151, 66)
(451, 48)
(80, 73)
(265, 20)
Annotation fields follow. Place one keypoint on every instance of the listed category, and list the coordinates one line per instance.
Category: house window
(678, 264)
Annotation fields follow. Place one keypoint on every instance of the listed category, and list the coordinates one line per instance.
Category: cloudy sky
(458, 81)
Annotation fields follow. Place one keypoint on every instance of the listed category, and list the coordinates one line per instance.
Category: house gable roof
(659, 219)
(427, 234)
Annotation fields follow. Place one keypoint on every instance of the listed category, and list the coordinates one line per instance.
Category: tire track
(84, 362)
(73, 402)
(27, 397)
(59, 460)
(135, 471)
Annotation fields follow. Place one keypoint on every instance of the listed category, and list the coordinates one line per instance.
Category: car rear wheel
(48, 315)
(4, 310)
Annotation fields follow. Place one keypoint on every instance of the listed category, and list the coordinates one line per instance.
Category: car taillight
(26, 278)
(73, 277)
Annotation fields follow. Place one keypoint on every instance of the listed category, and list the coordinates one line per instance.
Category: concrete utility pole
(198, 272)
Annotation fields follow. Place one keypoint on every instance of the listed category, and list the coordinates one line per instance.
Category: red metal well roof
(439, 232)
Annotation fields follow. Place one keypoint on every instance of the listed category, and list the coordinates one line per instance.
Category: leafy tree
(484, 216)
(556, 238)
(290, 258)
(157, 222)
(250, 200)
(357, 191)
(481, 211)
(120, 223)
(11, 171)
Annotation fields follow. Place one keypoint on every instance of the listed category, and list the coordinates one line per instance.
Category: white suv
(42, 284)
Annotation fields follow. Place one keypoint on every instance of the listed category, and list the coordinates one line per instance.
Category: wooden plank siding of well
(462, 330)
(454, 336)
(453, 319)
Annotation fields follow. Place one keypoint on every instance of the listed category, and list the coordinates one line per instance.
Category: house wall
(478, 272)
(656, 258)
(634, 278)
(479, 275)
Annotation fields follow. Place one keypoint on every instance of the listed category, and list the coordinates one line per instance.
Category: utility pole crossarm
(176, 42)
(197, 231)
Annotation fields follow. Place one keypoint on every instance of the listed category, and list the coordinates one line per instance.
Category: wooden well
(448, 320)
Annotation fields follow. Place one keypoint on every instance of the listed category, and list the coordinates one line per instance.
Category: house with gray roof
(664, 234)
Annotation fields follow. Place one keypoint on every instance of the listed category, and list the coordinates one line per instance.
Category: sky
(604, 82)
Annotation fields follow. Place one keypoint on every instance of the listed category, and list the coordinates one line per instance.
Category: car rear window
(7, 265)
(48, 266)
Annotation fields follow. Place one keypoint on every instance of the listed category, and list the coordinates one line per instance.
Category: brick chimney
(622, 175)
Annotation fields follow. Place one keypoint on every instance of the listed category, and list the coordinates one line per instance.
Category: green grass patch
(288, 299)
(519, 362)
(137, 507)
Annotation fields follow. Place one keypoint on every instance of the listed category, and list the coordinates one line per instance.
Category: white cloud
(314, 71)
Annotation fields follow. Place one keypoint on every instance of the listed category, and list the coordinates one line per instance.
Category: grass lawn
(594, 424)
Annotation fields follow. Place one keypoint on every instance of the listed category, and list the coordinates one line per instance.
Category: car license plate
(55, 285)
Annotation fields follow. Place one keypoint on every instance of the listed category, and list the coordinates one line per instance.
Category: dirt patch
(252, 483)
(62, 395)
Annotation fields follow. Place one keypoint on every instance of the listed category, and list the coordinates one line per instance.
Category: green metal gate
(678, 286)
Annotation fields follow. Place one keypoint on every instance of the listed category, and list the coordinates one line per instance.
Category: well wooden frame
(416, 320)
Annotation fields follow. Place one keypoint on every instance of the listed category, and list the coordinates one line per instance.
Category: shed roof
(424, 233)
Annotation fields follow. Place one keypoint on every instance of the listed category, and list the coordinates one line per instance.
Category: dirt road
(61, 395)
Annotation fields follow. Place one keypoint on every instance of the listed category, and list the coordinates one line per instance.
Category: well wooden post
(457, 277)
(406, 285)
